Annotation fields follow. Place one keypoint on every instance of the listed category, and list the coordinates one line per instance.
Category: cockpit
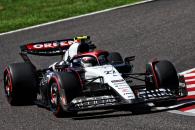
(90, 59)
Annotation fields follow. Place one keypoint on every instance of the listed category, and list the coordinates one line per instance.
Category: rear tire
(20, 83)
(63, 88)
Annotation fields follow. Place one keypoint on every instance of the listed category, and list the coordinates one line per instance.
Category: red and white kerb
(190, 82)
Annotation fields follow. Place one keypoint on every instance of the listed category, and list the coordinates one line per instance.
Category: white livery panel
(113, 78)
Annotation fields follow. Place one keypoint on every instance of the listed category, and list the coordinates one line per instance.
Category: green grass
(15, 14)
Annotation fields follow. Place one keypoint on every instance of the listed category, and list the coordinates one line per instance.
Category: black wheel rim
(54, 97)
(8, 84)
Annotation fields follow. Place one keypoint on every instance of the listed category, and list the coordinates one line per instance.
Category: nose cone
(113, 78)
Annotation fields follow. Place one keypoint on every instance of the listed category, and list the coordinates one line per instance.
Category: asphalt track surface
(164, 29)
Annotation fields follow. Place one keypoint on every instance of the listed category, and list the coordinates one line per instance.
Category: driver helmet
(88, 61)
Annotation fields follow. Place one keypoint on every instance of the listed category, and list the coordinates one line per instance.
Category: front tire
(162, 75)
(167, 75)
(63, 88)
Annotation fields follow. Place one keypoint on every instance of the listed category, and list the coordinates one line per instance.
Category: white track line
(190, 93)
(191, 86)
(188, 71)
(182, 113)
(75, 17)
(189, 80)
(189, 75)
(191, 111)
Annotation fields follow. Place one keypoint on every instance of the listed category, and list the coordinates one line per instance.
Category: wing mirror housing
(129, 59)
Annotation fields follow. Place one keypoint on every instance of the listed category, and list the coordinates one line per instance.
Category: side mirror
(61, 66)
(129, 59)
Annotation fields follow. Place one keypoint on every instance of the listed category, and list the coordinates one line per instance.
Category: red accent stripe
(191, 77)
(191, 89)
(190, 82)
(153, 71)
(188, 108)
(11, 79)
(59, 87)
(186, 98)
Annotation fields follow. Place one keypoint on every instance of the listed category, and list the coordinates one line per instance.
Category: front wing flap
(109, 101)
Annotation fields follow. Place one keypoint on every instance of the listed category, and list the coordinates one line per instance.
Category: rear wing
(48, 48)
(53, 48)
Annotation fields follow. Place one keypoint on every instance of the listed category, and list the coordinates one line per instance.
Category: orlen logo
(49, 45)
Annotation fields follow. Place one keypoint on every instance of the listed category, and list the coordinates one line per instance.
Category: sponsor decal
(110, 72)
(49, 45)
(130, 96)
(120, 80)
(127, 93)
(123, 87)
(125, 90)
(120, 83)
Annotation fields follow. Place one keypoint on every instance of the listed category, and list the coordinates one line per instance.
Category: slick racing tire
(20, 83)
(167, 75)
(63, 88)
(164, 75)
(115, 58)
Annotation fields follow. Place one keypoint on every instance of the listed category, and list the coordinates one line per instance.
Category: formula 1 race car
(87, 79)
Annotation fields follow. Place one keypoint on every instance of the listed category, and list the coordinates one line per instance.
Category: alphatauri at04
(87, 78)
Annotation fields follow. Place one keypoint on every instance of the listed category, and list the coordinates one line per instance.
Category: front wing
(109, 101)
